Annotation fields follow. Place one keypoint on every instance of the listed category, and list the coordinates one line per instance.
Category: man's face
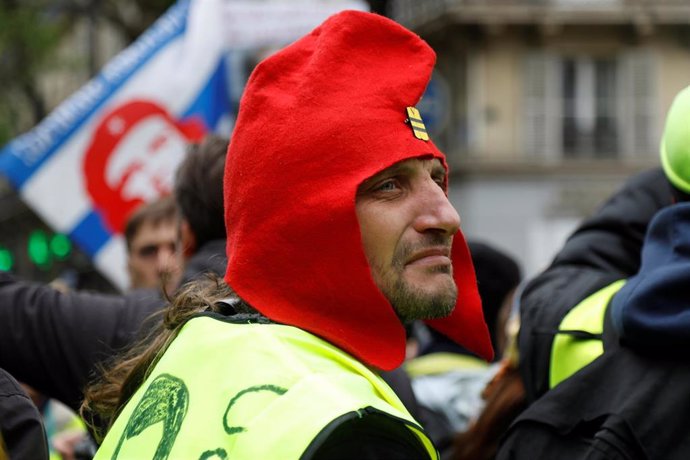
(407, 226)
(153, 259)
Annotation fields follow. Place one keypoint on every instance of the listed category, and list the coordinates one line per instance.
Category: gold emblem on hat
(414, 118)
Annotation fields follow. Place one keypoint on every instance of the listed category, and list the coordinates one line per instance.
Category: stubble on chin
(411, 303)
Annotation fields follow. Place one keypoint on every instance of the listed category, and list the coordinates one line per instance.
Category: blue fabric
(653, 308)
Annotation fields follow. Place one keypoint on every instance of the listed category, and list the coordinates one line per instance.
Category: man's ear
(187, 239)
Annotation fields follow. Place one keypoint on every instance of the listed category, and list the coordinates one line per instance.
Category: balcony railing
(417, 13)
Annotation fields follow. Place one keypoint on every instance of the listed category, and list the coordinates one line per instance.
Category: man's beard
(411, 303)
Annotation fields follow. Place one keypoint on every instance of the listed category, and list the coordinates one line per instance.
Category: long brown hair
(117, 382)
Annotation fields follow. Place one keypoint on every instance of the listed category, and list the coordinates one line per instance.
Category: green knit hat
(675, 142)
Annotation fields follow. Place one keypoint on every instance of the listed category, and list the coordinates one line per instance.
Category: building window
(589, 107)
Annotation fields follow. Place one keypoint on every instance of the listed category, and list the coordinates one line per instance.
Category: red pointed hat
(316, 120)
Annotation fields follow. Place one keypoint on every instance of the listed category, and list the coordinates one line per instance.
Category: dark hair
(199, 188)
(155, 212)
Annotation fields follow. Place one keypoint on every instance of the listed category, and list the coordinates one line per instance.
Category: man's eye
(389, 185)
(148, 251)
(441, 182)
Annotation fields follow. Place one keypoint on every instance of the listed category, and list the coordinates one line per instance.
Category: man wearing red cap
(339, 232)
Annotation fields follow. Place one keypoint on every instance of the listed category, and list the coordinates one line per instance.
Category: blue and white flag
(116, 142)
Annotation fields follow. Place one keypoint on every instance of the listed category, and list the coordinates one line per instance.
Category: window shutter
(542, 124)
(637, 114)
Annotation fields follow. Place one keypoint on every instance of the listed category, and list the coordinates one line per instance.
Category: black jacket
(605, 248)
(20, 422)
(626, 404)
(54, 341)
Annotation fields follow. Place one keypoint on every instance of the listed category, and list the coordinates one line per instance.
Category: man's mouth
(430, 257)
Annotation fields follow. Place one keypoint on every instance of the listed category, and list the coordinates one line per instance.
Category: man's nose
(436, 213)
(166, 258)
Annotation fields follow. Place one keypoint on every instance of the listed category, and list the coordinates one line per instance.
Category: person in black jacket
(605, 247)
(628, 401)
(54, 341)
(21, 429)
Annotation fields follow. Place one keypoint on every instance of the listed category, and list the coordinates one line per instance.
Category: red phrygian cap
(317, 119)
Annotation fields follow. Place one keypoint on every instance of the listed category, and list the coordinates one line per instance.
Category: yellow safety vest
(578, 340)
(246, 391)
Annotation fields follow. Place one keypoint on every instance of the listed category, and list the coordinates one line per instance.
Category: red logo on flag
(132, 158)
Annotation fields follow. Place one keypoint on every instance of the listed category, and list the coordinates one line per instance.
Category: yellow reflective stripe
(439, 363)
(428, 445)
(569, 354)
(75, 423)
